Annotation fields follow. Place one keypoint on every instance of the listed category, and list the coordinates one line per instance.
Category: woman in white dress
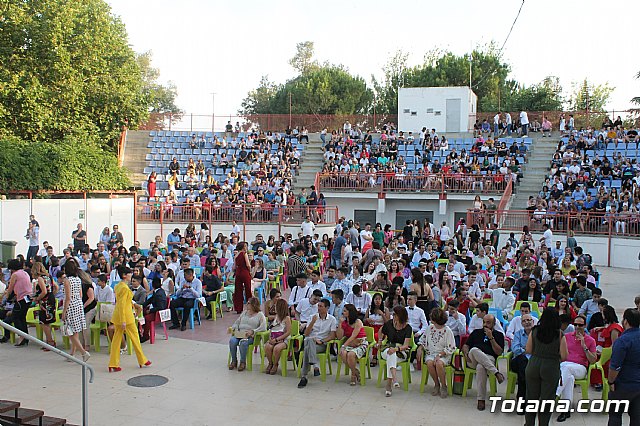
(562, 124)
(73, 312)
(437, 344)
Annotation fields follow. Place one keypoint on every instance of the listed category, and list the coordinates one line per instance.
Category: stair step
(46, 421)
(8, 405)
(24, 415)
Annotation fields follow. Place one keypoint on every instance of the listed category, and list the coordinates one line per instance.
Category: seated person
(211, 286)
(190, 290)
(477, 320)
(481, 350)
(307, 308)
(299, 292)
(516, 323)
(582, 352)
(320, 331)
(157, 302)
(520, 358)
(279, 337)
(243, 330)
(456, 321)
(360, 299)
(397, 333)
(438, 344)
(355, 343)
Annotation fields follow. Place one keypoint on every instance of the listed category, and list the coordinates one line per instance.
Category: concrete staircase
(310, 163)
(135, 150)
(535, 171)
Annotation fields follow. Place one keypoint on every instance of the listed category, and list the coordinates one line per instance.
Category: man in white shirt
(320, 330)
(419, 255)
(547, 236)
(496, 125)
(180, 280)
(103, 291)
(417, 317)
(365, 235)
(516, 323)
(477, 319)
(359, 299)
(456, 321)
(307, 227)
(342, 282)
(503, 297)
(307, 308)
(508, 122)
(524, 122)
(316, 284)
(299, 292)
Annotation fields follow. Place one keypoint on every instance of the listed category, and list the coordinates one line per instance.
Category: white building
(446, 109)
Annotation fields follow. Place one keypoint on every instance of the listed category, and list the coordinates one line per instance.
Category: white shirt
(524, 118)
(307, 228)
(363, 241)
(323, 327)
(508, 119)
(458, 326)
(362, 302)
(417, 320)
(548, 237)
(516, 324)
(319, 285)
(299, 293)
(104, 295)
(476, 324)
(445, 233)
(306, 310)
(502, 299)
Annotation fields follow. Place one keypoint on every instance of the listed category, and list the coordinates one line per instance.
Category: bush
(67, 165)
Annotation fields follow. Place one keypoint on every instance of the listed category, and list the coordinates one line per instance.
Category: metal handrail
(85, 366)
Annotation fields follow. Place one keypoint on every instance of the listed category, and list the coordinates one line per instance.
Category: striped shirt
(295, 265)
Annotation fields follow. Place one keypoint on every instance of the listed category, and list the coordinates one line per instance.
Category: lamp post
(213, 112)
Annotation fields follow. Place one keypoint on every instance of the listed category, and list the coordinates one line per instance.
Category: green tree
(588, 96)
(67, 70)
(303, 61)
(543, 96)
(260, 100)
(394, 76)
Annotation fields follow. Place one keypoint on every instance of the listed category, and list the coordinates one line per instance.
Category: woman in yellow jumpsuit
(124, 322)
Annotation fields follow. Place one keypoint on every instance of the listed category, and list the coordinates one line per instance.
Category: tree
(302, 60)
(394, 76)
(588, 96)
(260, 100)
(543, 96)
(636, 99)
(67, 70)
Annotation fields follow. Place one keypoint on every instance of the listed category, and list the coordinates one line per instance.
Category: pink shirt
(23, 286)
(576, 353)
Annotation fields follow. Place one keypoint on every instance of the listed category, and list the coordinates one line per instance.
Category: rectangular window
(403, 215)
(365, 216)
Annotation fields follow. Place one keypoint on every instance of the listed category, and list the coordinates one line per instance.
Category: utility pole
(213, 112)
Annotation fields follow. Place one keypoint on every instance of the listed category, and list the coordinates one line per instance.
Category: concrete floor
(201, 390)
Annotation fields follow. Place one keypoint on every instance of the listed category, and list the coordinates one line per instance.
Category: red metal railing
(242, 213)
(611, 224)
(419, 182)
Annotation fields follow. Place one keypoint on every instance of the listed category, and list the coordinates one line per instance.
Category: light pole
(213, 112)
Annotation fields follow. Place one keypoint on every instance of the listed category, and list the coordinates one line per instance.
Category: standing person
(496, 125)
(242, 271)
(397, 333)
(295, 266)
(20, 286)
(509, 122)
(495, 236)
(124, 322)
(151, 185)
(524, 122)
(72, 313)
(116, 237)
(33, 236)
(548, 347)
(45, 297)
(624, 369)
(337, 252)
(79, 239)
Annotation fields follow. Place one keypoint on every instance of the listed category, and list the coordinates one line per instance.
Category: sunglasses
(579, 325)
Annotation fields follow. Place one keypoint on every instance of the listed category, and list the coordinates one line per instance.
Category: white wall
(58, 218)
(429, 104)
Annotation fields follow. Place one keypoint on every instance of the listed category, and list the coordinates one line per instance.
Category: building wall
(58, 218)
(429, 105)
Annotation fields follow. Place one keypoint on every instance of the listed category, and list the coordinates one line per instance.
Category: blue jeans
(234, 342)
(336, 261)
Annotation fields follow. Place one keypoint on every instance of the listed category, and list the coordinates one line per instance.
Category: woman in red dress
(151, 185)
(242, 269)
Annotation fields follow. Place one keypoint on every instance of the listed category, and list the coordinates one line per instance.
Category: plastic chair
(33, 321)
(534, 306)
(448, 375)
(324, 359)
(468, 378)
(512, 376)
(193, 313)
(152, 326)
(58, 325)
(214, 305)
(405, 366)
(584, 383)
(498, 314)
(284, 355)
(364, 361)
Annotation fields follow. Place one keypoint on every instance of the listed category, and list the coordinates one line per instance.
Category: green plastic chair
(35, 322)
(534, 307)
(468, 379)
(584, 383)
(448, 375)
(284, 355)
(512, 377)
(363, 362)
(58, 325)
(216, 305)
(324, 359)
(405, 366)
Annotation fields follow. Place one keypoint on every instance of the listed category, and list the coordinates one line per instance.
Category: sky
(226, 46)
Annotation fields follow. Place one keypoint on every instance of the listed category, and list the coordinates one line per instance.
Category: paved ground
(201, 391)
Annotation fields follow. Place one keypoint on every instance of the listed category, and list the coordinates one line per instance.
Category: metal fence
(157, 212)
(434, 182)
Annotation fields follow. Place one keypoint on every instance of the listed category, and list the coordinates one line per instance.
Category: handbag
(106, 312)
(66, 329)
(240, 334)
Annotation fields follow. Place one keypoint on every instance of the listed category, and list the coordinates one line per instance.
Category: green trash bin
(7, 250)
